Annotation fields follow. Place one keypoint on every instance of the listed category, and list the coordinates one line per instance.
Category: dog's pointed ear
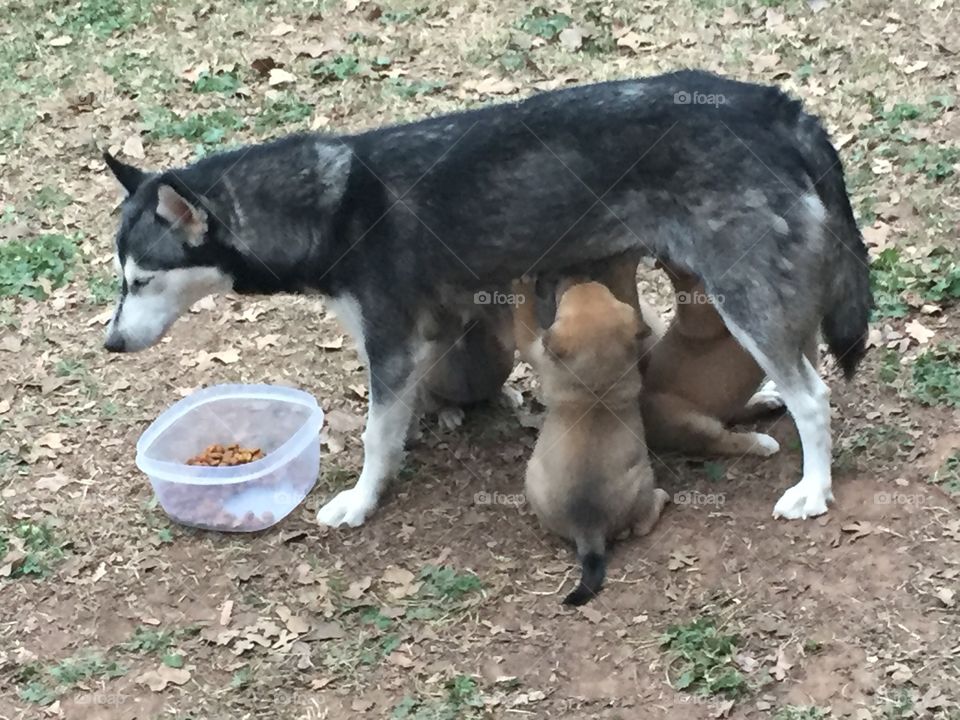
(127, 175)
(182, 214)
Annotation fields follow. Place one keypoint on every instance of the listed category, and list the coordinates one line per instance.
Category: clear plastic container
(284, 423)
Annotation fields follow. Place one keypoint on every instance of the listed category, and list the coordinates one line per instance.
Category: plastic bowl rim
(169, 471)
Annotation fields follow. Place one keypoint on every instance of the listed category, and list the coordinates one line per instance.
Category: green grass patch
(873, 442)
(935, 162)
(103, 18)
(209, 128)
(461, 700)
(935, 279)
(935, 376)
(226, 83)
(400, 17)
(283, 111)
(135, 74)
(543, 22)
(900, 707)
(702, 655)
(797, 712)
(149, 640)
(103, 288)
(948, 476)
(51, 200)
(444, 584)
(336, 69)
(412, 88)
(33, 266)
(37, 547)
(43, 685)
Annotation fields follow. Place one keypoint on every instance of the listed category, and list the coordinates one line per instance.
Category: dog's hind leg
(807, 399)
(674, 424)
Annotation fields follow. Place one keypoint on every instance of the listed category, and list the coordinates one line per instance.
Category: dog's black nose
(114, 343)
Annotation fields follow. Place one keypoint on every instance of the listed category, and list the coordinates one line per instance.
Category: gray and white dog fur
(393, 223)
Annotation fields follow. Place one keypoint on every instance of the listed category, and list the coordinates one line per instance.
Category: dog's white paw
(450, 418)
(802, 501)
(512, 397)
(764, 445)
(767, 398)
(348, 507)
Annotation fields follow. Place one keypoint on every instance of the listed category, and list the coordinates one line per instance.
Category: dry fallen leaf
(591, 614)
(782, 667)
(11, 343)
(157, 680)
(397, 576)
(282, 29)
(857, 529)
(225, 612)
(633, 41)
(358, 588)
(334, 344)
(60, 41)
(227, 357)
(265, 341)
(133, 147)
(919, 332)
(359, 390)
(327, 631)
(55, 482)
(571, 38)
(946, 596)
(279, 76)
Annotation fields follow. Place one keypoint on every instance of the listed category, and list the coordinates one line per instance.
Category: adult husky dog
(730, 181)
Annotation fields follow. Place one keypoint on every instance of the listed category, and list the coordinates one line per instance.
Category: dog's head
(162, 256)
(595, 337)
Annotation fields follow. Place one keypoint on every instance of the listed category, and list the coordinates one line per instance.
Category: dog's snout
(115, 343)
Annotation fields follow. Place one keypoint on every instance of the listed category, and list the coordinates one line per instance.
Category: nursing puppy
(470, 354)
(619, 275)
(589, 478)
(699, 379)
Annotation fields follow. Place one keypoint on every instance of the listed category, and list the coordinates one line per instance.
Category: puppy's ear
(182, 214)
(129, 177)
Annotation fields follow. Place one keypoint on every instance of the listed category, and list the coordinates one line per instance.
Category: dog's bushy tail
(849, 299)
(593, 570)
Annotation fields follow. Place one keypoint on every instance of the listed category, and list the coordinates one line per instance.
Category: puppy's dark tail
(849, 301)
(593, 564)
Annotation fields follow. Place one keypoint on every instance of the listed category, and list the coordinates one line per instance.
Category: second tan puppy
(699, 379)
(589, 478)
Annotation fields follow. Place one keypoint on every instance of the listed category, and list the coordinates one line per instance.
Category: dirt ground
(446, 604)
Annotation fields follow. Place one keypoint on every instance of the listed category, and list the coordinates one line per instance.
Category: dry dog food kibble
(218, 455)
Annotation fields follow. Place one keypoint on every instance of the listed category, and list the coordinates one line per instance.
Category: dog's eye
(140, 283)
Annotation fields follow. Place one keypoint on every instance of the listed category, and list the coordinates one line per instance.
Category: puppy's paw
(450, 418)
(349, 507)
(764, 445)
(660, 499)
(766, 399)
(512, 397)
(804, 500)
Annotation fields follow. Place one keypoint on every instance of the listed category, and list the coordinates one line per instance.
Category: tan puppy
(699, 379)
(619, 274)
(589, 478)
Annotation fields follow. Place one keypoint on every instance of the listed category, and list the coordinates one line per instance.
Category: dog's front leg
(391, 410)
